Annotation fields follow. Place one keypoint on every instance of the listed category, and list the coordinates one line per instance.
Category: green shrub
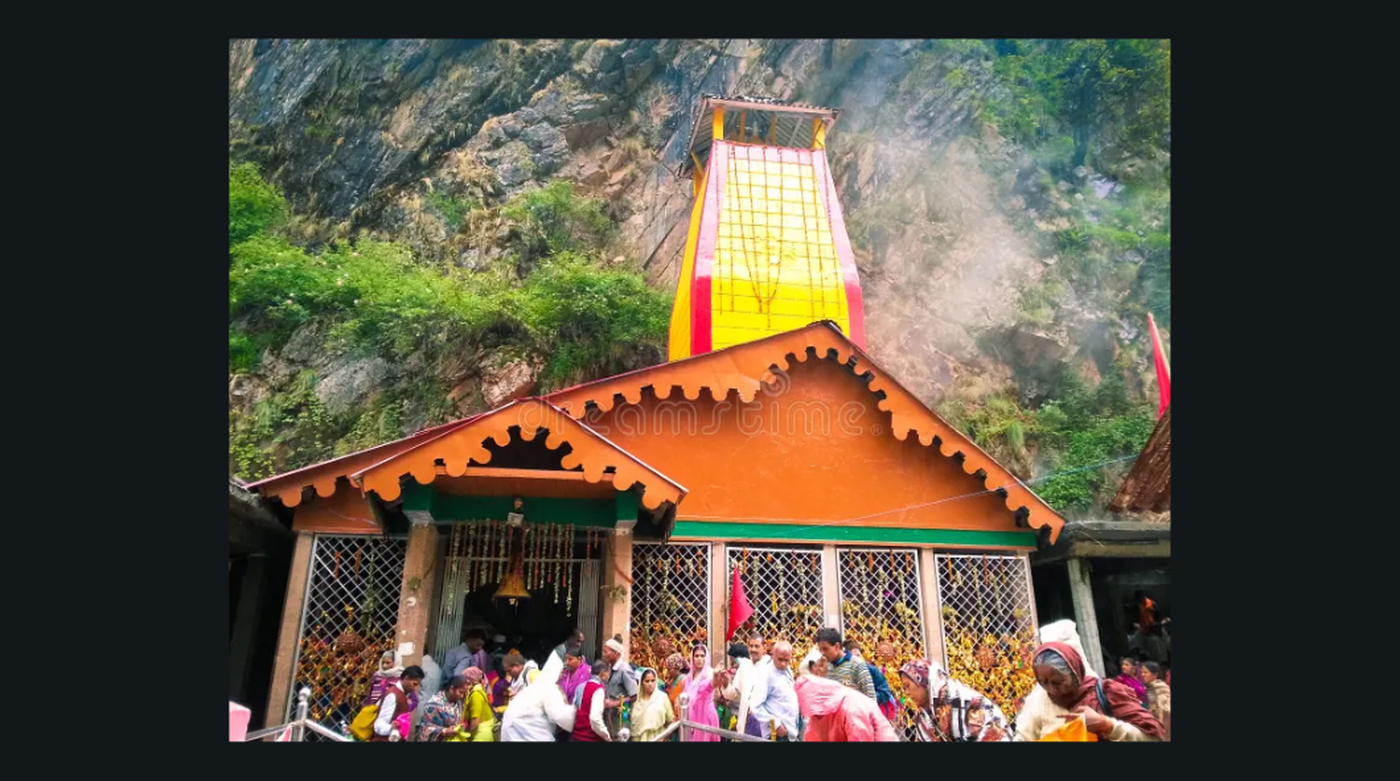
(583, 317)
(254, 206)
(452, 210)
(555, 219)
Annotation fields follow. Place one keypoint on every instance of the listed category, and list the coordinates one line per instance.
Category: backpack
(883, 693)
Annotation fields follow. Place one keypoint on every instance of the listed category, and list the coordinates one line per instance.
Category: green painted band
(781, 533)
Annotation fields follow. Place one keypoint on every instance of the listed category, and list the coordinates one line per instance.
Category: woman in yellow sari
(651, 712)
(479, 719)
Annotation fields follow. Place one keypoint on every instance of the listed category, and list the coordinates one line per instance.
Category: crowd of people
(832, 695)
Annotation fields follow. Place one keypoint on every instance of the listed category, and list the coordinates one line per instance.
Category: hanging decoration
(554, 554)
(569, 573)
(532, 535)
(453, 562)
(473, 534)
(504, 531)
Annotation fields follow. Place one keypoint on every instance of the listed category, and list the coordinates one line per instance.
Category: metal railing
(299, 725)
(686, 726)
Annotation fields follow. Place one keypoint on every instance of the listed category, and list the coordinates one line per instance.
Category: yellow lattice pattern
(352, 613)
(881, 608)
(670, 601)
(775, 263)
(784, 586)
(988, 626)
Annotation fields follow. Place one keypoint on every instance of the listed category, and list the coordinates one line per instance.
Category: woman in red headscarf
(1110, 710)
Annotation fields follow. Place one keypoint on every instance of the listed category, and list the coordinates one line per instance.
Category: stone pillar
(933, 606)
(719, 597)
(416, 591)
(245, 626)
(617, 571)
(831, 590)
(290, 632)
(1085, 620)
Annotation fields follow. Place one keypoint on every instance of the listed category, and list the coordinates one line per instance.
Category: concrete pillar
(1085, 621)
(831, 589)
(933, 606)
(416, 591)
(617, 571)
(719, 596)
(289, 634)
(244, 636)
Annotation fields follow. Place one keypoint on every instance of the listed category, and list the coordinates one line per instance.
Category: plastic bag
(363, 725)
(1072, 732)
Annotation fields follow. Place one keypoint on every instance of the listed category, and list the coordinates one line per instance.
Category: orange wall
(774, 462)
(345, 512)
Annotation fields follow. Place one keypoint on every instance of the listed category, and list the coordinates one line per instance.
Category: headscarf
(614, 644)
(676, 664)
(474, 676)
(396, 671)
(1121, 699)
(706, 673)
(1133, 680)
(523, 679)
(965, 705)
(641, 703)
(1063, 631)
(923, 673)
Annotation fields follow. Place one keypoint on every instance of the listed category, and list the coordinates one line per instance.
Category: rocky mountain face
(1010, 224)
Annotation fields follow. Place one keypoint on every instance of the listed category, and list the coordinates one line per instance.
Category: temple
(770, 444)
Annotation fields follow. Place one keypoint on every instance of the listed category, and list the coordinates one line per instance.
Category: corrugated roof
(796, 132)
(1148, 487)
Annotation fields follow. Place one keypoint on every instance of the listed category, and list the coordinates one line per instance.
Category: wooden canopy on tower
(767, 250)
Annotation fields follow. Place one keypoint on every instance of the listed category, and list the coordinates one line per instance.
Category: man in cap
(621, 685)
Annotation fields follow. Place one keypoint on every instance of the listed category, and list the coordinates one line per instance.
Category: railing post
(684, 702)
(299, 726)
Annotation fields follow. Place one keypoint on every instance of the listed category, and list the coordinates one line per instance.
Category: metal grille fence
(670, 600)
(988, 624)
(784, 585)
(880, 605)
(348, 620)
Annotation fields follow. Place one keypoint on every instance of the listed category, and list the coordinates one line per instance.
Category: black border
(162, 115)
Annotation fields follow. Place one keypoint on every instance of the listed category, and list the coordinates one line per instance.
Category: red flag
(739, 608)
(1164, 372)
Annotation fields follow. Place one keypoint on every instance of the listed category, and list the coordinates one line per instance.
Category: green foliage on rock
(370, 296)
(1076, 438)
(585, 317)
(254, 206)
(557, 219)
(1091, 90)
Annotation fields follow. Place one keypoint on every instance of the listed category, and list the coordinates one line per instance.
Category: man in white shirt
(774, 701)
(756, 654)
(740, 690)
(535, 712)
(395, 704)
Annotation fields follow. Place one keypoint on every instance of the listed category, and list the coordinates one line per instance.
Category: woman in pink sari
(700, 685)
(1131, 676)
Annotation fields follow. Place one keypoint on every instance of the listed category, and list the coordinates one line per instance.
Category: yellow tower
(767, 250)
